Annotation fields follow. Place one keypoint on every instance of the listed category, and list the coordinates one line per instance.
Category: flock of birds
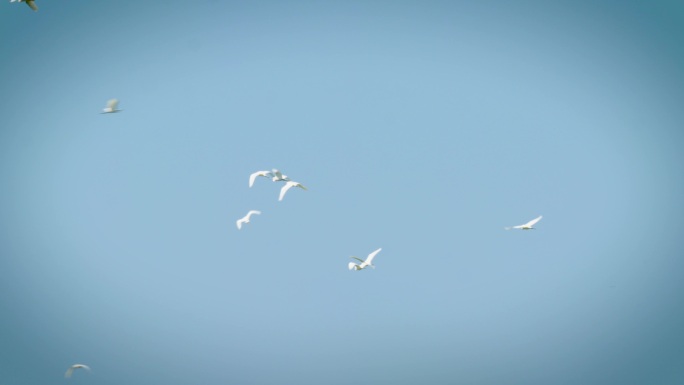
(276, 176)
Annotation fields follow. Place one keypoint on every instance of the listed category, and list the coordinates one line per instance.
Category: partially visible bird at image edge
(30, 3)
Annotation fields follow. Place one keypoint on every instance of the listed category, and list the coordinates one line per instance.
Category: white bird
(74, 367)
(364, 264)
(288, 185)
(30, 3)
(253, 176)
(278, 176)
(526, 226)
(245, 219)
(111, 107)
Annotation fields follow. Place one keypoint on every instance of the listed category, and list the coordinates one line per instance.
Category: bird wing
(255, 175)
(283, 190)
(32, 4)
(68, 372)
(239, 223)
(251, 212)
(112, 103)
(358, 259)
(301, 186)
(370, 257)
(252, 177)
(532, 222)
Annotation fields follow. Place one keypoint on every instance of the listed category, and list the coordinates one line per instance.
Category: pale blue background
(421, 127)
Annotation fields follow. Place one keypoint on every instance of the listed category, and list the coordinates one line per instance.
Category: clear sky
(422, 127)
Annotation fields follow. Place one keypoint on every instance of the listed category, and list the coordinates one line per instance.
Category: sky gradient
(423, 128)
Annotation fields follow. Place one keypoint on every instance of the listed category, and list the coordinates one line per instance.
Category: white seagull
(288, 185)
(278, 176)
(111, 107)
(253, 176)
(30, 3)
(245, 219)
(526, 226)
(74, 367)
(364, 264)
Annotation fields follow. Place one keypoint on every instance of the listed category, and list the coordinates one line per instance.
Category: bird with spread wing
(364, 264)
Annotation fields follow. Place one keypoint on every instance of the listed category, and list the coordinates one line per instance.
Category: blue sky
(423, 128)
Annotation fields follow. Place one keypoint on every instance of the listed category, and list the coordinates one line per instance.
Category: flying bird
(111, 107)
(253, 176)
(364, 264)
(245, 219)
(288, 185)
(74, 367)
(278, 176)
(30, 3)
(526, 226)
